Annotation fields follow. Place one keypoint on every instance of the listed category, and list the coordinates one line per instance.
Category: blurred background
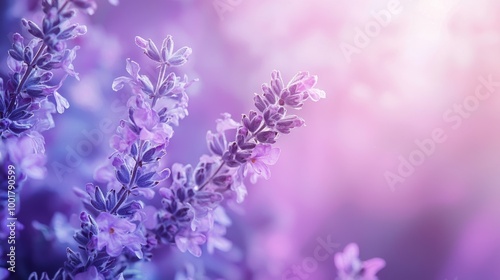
(394, 73)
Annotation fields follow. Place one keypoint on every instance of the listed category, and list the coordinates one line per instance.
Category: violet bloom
(350, 267)
(151, 128)
(190, 242)
(27, 154)
(60, 229)
(124, 138)
(116, 233)
(42, 119)
(262, 156)
(215, 237)
(226, 123)
(133, 69)
(299, 89)
(238, 186)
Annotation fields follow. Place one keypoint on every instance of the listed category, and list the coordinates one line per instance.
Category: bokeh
(366, 168)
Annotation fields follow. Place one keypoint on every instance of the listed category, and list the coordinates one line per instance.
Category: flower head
(27, 154)
(152, 129)
(190, 242)
(215, 237)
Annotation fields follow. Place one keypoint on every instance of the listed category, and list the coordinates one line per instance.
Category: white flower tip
(61, 103)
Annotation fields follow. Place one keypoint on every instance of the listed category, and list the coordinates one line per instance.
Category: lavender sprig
(118, 229)
(27, 97)
(113, 235)
(192, 212)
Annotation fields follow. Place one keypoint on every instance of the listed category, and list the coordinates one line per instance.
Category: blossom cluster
(113, 233)
(119, 226)
(193, 210)
(30, 95)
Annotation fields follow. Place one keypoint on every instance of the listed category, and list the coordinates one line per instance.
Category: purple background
(442, 222)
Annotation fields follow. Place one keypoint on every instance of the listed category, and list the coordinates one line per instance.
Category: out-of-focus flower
(190, 242)
(215, 237)
(350, 267)
(44, 120)
(26, 157)
(106, 174)
(226, 123)
(123, 139)
(190, 273)
(60, 229)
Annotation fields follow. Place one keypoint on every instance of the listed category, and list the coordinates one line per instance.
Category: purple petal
(141, 43)
(372, 266)
(132, 68)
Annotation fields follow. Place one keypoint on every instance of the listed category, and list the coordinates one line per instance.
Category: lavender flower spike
(114, 233)
(29, 96)
(192, 212)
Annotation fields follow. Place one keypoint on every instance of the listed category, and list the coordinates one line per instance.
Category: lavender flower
(118, 229)
(193, 211)
(114, 231)
(59, 230)
(26, 102)
(350, 267)
(29, 97)
(262, 156)
(27, 154)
